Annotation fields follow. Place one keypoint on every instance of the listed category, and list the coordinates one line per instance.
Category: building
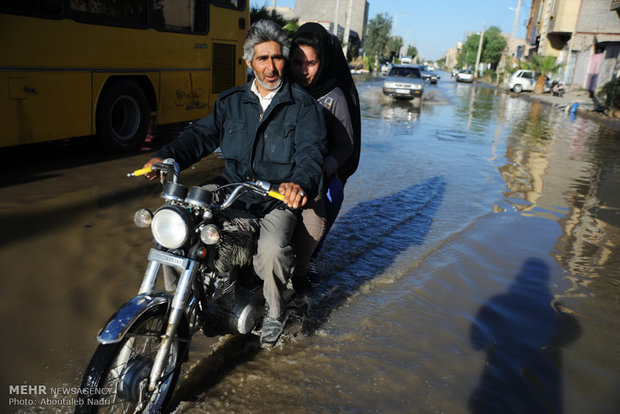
(452, 56)
(339, 13)
(335, 15)
(584, 35)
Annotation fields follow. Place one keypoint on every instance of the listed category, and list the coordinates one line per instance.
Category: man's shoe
(271, 331)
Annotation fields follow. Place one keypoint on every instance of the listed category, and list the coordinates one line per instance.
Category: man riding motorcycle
(268, 129)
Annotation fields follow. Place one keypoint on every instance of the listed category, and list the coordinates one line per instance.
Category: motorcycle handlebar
(259, 186)
(139, 172)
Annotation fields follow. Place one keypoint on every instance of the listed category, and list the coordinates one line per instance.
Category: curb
(564, 106)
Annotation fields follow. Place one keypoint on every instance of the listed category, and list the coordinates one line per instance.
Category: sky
(437, 25)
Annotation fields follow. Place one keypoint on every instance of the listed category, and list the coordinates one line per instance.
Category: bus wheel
(123, 117)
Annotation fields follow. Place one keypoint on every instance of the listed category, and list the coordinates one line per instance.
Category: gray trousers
(274, 256)
(308, 233)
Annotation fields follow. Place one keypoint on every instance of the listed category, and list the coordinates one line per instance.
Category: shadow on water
(364, 242)
(522, 332)
(367, 239)
(37, 162)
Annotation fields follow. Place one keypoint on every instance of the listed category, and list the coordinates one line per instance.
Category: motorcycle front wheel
(116, 380)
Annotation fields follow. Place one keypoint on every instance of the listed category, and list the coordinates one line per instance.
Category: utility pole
(336, 18)
(514, 25)
(347, 29)
(479, 52)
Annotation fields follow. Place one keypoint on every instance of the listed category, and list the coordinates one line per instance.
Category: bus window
(125, 13)
(43, 8)
(176, 16)
(231, 4)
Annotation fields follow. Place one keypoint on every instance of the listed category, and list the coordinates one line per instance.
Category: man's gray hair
(265, 31)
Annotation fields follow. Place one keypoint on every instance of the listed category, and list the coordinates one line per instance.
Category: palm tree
(544, 65)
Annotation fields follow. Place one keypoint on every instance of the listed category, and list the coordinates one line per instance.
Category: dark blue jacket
(285, 144)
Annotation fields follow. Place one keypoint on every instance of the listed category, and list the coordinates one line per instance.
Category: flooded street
(474, 268)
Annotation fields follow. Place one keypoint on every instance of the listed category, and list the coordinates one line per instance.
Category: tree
(412, 51)
(393, 46)
(377, 35)
(289, 26)
(543, 65)
(493, 45)
(468, 51)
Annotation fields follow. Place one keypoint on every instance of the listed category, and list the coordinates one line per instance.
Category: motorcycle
(556, 87)
(203, 248)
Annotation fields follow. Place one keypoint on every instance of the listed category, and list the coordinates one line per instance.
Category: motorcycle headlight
(210, 234)
(170, 227)
(143, 218)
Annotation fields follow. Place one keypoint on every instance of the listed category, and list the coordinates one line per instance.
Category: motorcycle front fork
(188, 270)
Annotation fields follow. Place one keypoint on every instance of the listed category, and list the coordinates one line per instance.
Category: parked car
(404, 81)
(429, 75)
(522, 80)
(525, 80)
(465, 75)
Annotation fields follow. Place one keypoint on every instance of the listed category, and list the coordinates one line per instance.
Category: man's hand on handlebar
(294, 195)
(153, 175)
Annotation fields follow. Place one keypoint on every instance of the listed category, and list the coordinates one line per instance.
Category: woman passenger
(318, 64)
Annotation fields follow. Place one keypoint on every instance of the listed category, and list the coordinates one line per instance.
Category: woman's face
(304, 65)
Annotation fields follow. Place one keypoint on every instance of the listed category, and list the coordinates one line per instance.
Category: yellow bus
(109, 68)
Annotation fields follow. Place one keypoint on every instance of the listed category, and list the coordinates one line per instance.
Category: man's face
(304, 65)
(268, 66)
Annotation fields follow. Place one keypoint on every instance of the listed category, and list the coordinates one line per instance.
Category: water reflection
(477, 107)
(568, 172)
(522, 334)
(527, 158)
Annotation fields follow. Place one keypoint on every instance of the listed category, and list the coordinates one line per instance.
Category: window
(230, 4)
(187, 16)
(406, 72)
(112, 12)
(44, 8)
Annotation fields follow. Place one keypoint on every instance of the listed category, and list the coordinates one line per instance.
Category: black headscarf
(333, 72)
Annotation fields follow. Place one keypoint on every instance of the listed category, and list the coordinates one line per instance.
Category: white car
(465, 75)
(525, 80)
(404, 81)
(522, 80)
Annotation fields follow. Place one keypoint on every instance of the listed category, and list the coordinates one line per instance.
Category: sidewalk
(586, 106)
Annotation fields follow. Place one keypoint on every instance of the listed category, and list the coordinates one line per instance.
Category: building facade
(338, 14)
(584, 35)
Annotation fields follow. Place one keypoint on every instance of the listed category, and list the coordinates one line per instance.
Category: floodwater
(474, 269)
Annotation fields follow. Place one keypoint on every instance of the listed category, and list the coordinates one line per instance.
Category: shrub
(490, 76)
(610, 94)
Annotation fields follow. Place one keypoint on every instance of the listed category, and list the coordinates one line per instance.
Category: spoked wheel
(117, 378)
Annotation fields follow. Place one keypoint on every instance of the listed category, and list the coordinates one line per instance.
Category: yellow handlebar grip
(277, 195)
(143, 171)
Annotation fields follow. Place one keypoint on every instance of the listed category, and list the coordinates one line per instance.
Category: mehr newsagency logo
(29, 395)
